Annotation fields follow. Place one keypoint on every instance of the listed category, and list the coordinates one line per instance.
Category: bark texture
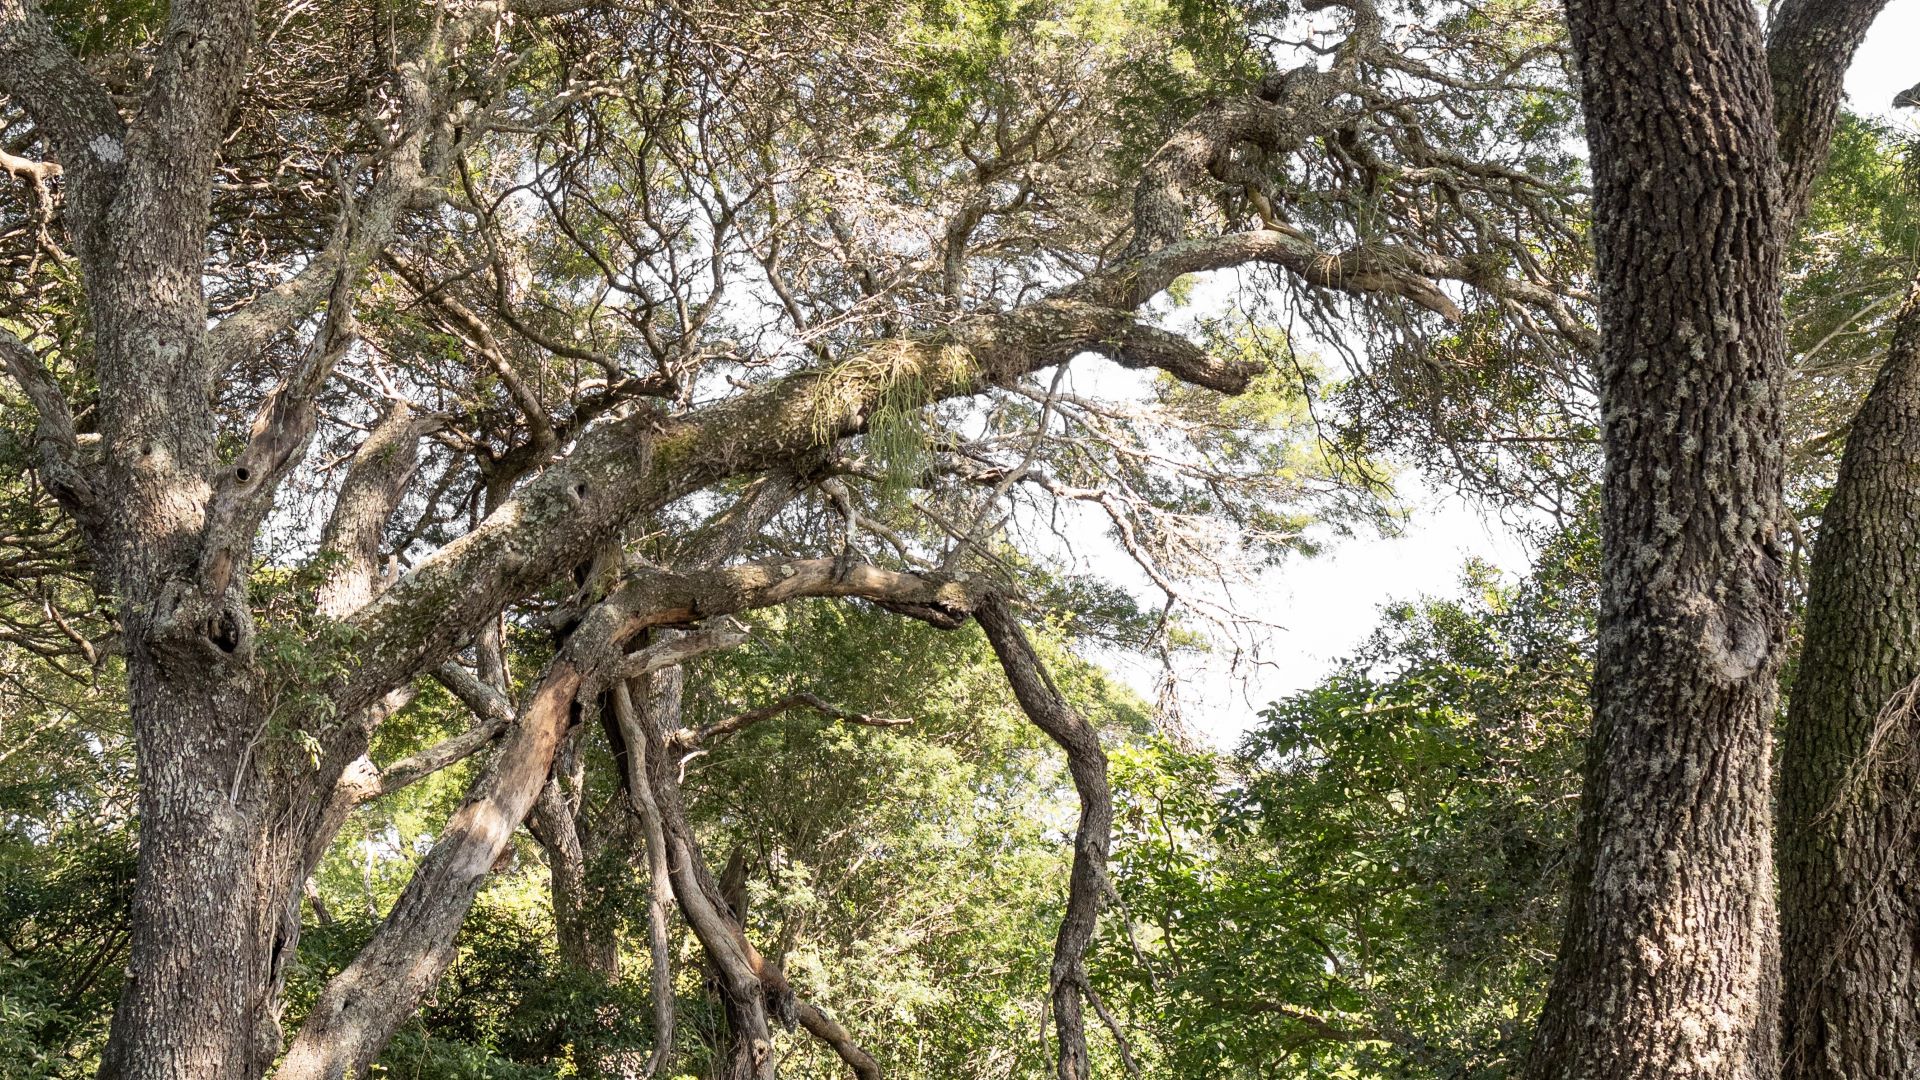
(1669, 963)
(1850, 886)
(233, 815)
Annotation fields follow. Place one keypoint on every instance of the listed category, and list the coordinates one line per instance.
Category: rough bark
(1668, 967)
(171, 526)
(1849, 884)
(1809, 46)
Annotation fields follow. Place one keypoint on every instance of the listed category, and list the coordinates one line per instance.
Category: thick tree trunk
(211, 894)
(1850, 884)
(1669, 964)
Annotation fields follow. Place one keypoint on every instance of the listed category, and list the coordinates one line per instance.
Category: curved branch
(1043, 703)
(60, 464)
(69, 106)
(823, 1027)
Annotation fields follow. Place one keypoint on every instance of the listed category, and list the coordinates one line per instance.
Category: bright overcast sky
(1328, 605)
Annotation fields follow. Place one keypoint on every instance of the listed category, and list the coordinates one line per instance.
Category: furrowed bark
(1810, 44)
(1849, 831)
(1043, 703)
(214, 885)
(1668, 967)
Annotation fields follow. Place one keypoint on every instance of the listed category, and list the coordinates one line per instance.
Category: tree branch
(687, 738)
(69, 107)
(823, 1027)
(377, 477)
(638, 462)
(66, 475)
(1810, 45)
(1049, 711)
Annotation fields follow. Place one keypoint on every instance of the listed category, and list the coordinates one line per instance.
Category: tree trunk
(1850, 888)
(573, 837)
(361, 1007)
(629, 744)
(1669, 963)
(211, 897)
(748, 998)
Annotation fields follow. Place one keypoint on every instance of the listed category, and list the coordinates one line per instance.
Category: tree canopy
(567, 538)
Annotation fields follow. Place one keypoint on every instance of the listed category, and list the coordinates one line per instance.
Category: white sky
(1328, 605)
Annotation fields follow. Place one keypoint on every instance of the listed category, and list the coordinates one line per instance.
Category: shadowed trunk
(574, 838)
(1849, 885)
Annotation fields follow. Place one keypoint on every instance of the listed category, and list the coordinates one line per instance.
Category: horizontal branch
(687, 738)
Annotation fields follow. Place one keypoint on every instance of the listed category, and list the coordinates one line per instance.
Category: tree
(498, 255)
(1371, 886)
(1848, 904)
(1704, 142)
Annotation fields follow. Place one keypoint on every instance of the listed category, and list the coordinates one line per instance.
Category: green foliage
(506, 1010)
(1846, 275)
(1370, 887)
(63, 927)
(304, 654)
(908, 879)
